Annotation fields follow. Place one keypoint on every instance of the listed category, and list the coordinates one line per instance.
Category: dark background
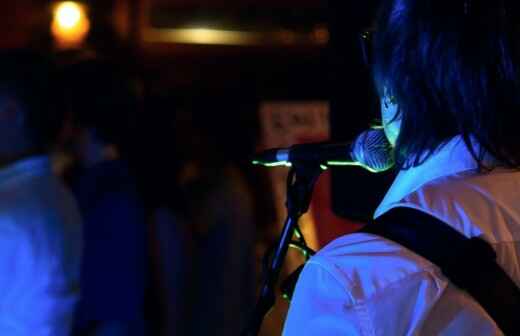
(295, 68)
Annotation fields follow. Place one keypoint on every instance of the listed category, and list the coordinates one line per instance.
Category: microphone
(370, 150)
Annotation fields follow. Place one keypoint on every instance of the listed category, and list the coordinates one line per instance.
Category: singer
(448, 77)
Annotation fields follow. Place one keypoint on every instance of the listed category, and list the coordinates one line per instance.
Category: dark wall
(354, 106)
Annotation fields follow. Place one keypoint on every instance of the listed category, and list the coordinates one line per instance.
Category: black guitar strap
(470, 264)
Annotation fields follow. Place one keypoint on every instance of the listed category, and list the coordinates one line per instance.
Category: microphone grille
(373, 151)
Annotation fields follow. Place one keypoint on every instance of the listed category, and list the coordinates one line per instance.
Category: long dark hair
(451, 66)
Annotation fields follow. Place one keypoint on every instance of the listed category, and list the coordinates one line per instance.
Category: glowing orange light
(321, 35)
(70, 24)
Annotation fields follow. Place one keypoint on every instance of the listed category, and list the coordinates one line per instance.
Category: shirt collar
(34, 165)
(452, 158)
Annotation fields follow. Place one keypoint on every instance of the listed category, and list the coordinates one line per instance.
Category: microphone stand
(300, 183)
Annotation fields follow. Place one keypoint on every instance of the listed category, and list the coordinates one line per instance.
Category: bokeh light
(70, 24)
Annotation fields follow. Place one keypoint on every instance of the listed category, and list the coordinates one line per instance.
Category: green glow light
(377, 127)
(275, 164)
(342, 163)
(346, 163)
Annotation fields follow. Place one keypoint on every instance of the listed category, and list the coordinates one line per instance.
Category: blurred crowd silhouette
(154, 217)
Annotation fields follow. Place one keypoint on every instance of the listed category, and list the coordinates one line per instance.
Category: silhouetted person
(102, 101)
(40, 226)
(204, 220)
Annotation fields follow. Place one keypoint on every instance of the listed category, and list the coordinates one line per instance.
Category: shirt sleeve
(364, 285)
(322, 306)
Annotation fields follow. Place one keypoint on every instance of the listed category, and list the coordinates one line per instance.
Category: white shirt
(362, 284)
(40, 250)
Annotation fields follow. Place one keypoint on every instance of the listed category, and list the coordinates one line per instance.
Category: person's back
(40, 226)
(41, 244)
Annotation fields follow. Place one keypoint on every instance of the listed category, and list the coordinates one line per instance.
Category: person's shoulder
(366, 265)
(474, 204)
(496, 181)
(40, 208)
